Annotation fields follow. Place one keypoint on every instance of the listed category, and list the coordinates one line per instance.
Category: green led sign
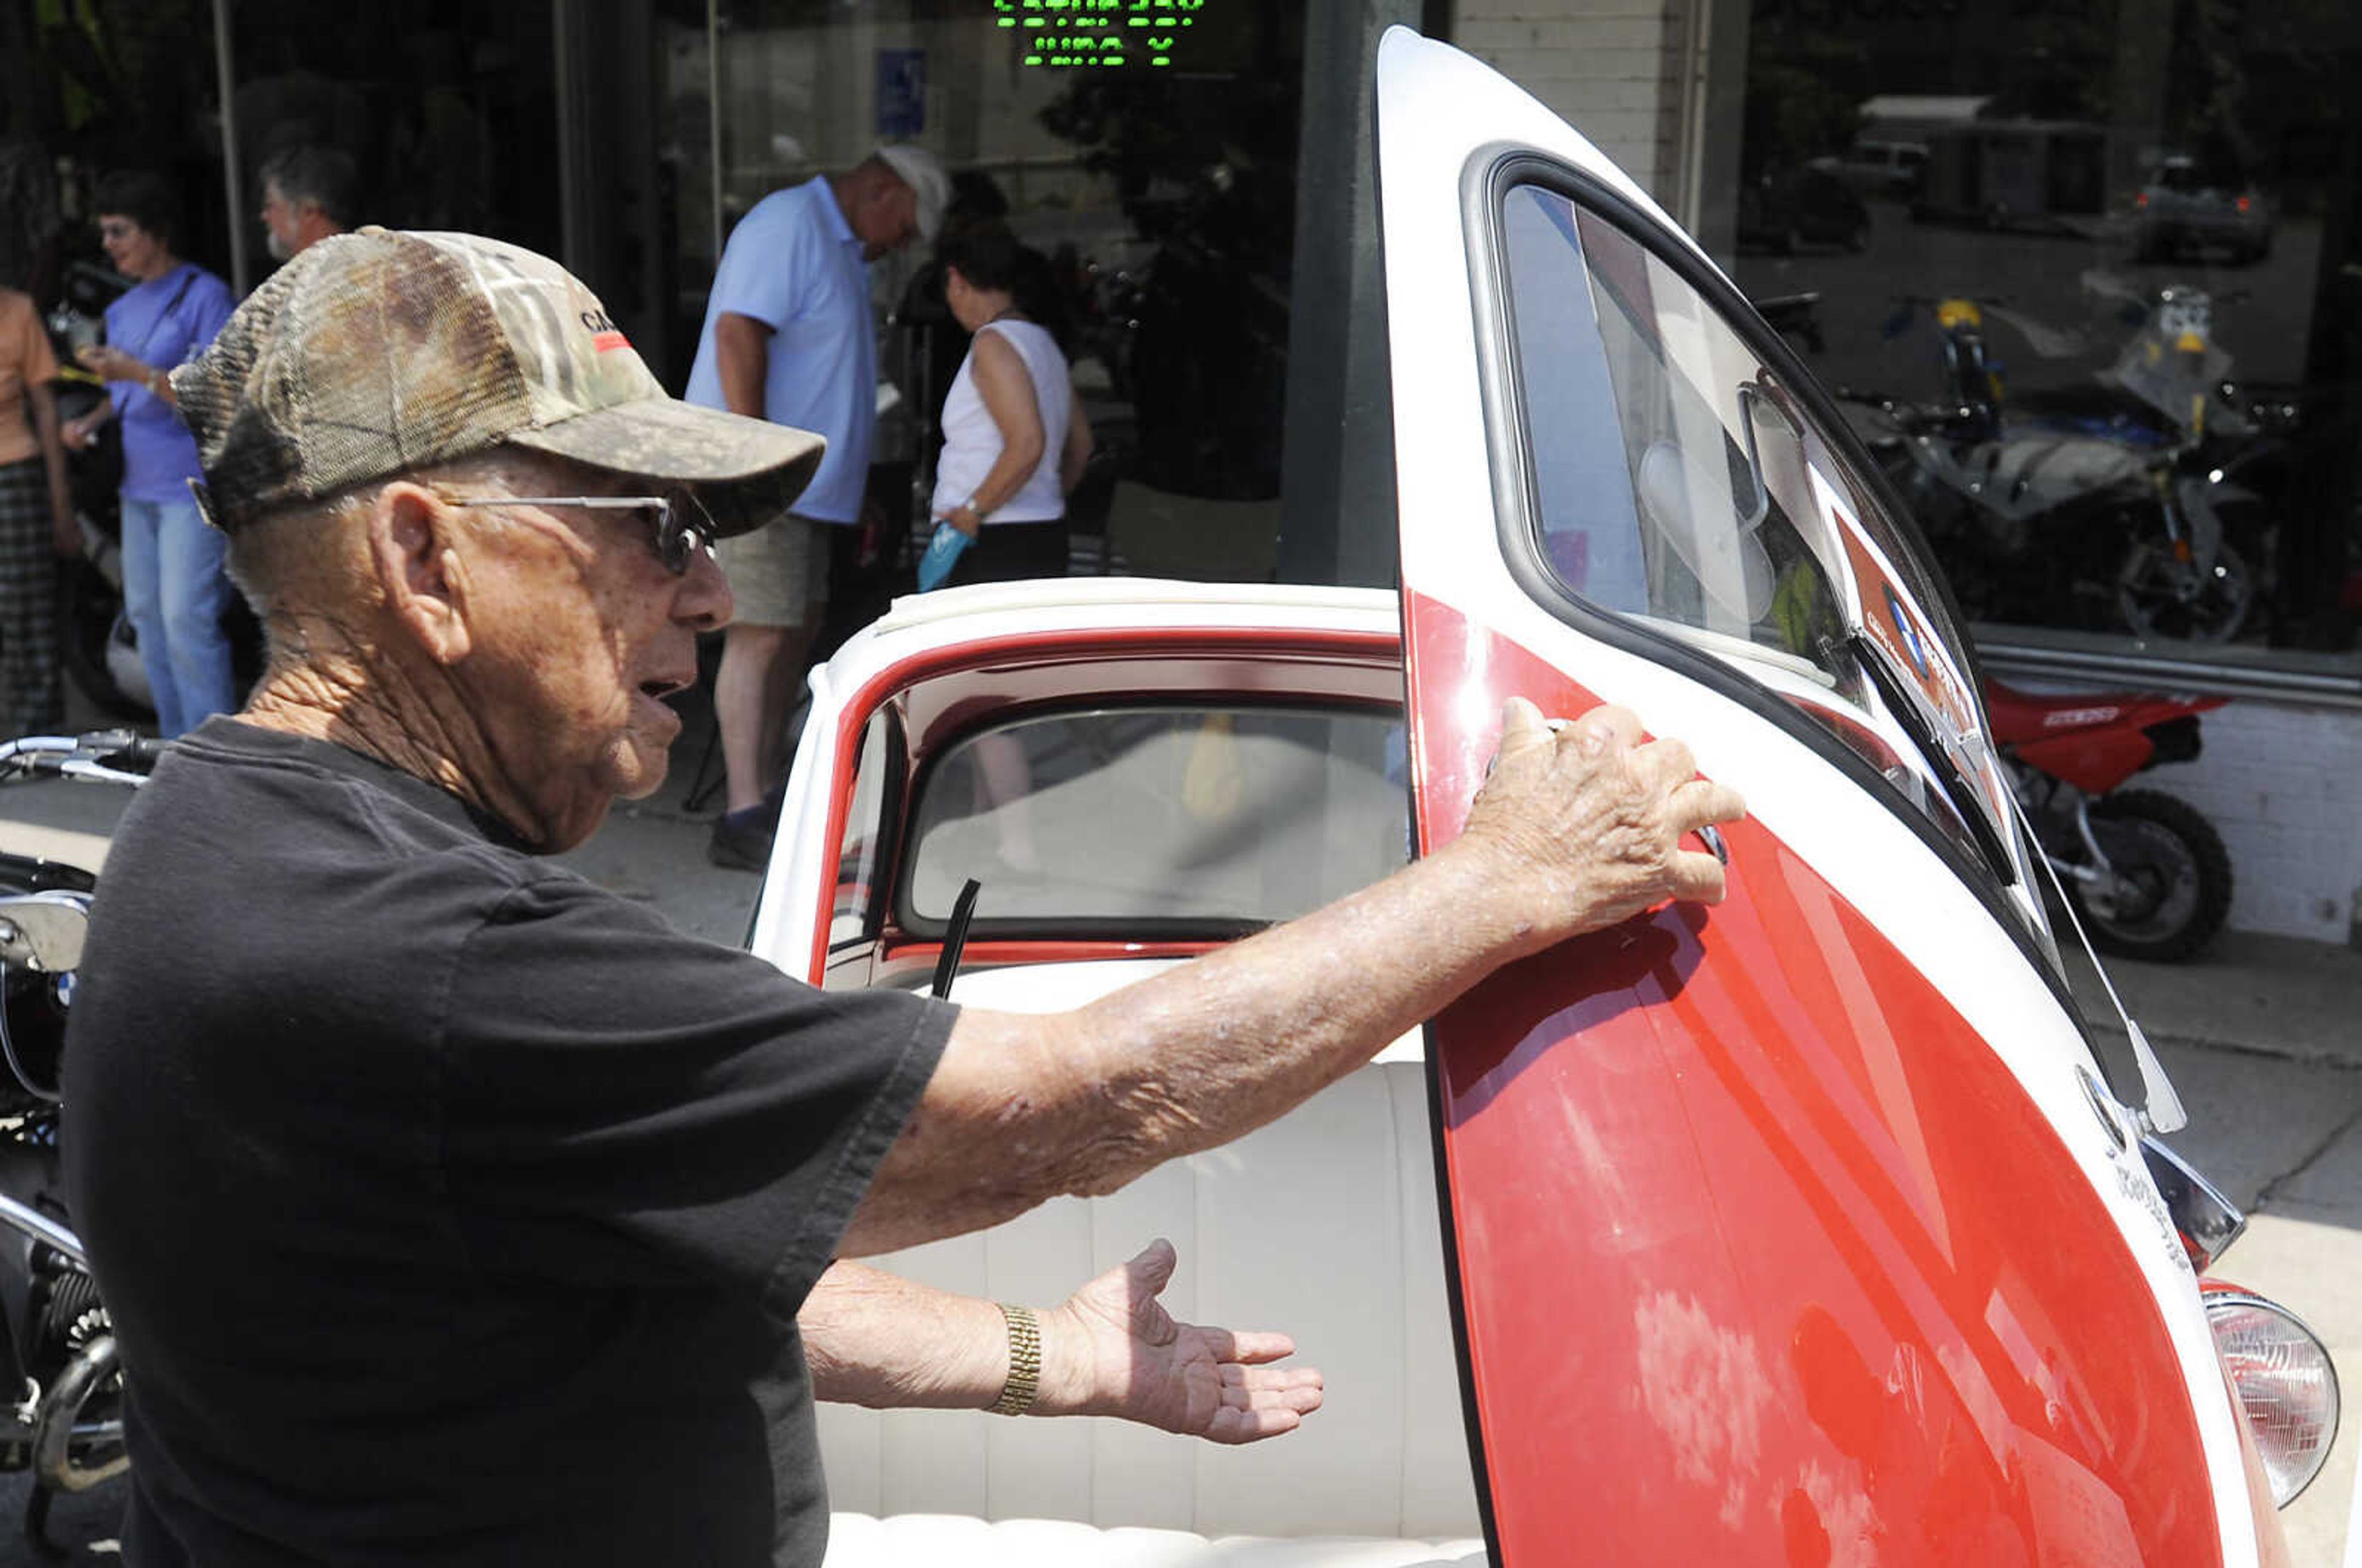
(1097, 35)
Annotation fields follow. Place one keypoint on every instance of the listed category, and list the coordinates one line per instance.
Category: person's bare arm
(1577, 829)
(1110, 1349)
(110, 364)
(79, 432)
(1007, 387)
(742, 359)
(65, 538)
(1077, 455)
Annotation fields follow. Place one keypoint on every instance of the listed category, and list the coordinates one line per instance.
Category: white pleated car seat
(1324, 1226)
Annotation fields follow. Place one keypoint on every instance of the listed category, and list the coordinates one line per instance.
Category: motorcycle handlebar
(113, 757)
(125, 748)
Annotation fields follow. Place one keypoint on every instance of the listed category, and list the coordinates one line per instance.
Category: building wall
(1612, 69)
(2278, 781)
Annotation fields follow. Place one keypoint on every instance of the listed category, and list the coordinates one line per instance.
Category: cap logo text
(603, 334)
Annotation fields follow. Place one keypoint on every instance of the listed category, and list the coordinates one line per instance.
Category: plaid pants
(30, 701)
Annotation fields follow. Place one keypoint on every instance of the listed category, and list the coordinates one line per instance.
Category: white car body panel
(1445, 489)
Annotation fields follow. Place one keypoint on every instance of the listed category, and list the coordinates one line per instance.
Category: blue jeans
(174, 590)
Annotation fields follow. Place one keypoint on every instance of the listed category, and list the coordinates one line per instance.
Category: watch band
(1017, 1394)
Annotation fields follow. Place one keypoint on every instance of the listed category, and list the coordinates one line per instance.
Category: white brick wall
(1607, 67)
(2282, 784)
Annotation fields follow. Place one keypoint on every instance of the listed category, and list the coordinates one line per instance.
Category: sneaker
(742, 840)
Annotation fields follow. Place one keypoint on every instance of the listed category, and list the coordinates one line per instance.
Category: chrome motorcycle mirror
(43, 932)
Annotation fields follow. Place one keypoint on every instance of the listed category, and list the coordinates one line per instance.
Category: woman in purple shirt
(173, 586)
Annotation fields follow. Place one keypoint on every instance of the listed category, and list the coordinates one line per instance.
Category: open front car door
(1810, 1228)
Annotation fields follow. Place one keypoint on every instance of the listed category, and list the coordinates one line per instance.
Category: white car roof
(954, 616)
(918, 624)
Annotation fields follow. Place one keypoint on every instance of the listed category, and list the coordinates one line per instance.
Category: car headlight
(2285, 1382)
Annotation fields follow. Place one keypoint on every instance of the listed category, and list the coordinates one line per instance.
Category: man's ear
(418, 569)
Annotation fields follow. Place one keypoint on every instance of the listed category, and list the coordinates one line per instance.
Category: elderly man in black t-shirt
(452, 1209)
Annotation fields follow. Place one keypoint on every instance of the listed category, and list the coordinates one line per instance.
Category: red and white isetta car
(1811, 1228)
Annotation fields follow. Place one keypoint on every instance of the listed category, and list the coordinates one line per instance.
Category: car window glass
(1675, 481)
(1212, 817)
(1648, 499)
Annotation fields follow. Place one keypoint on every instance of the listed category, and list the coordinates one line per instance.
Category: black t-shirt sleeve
(624, 1105)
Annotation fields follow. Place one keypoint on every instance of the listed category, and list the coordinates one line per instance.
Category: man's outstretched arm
(1579, 827)
(1110, 1349)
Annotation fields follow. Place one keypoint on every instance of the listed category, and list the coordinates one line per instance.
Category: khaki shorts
(779, 573)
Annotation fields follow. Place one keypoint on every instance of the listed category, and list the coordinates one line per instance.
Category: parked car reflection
(2184, 206)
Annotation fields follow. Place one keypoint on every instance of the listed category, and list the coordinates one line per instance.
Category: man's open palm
(1144, 1366)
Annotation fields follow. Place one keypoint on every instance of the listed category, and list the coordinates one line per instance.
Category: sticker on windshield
(1913, 648)
(1898, 630)
(1926, 667)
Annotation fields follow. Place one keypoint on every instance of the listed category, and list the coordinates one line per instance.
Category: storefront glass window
(2083, 273)
(447, 111)
(1147, 151)
(88, 89)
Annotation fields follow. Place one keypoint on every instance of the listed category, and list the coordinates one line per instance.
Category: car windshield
(1165, 820)
(1678, 481)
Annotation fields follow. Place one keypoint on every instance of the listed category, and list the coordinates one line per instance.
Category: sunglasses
(682, 528)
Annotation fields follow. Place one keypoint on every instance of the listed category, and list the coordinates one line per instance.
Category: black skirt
(1006, 552)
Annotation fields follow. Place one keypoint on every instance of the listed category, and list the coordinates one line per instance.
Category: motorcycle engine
(36, 1018)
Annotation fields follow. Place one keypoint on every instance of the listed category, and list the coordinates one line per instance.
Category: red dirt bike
(2146, 873)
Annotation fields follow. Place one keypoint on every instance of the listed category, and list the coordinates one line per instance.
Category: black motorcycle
(56, 1345)
(2055, 523)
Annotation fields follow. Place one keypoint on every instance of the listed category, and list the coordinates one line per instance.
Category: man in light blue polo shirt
(788, 338)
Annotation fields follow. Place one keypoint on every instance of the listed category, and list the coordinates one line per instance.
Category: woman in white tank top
(1014, 440)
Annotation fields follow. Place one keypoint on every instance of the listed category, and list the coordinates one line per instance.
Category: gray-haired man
(788, 337)
(308, 194)
(452, 1210)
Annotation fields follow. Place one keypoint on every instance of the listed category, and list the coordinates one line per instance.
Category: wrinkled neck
(334, 681)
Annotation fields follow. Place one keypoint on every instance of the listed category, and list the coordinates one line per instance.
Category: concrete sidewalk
(2262, 1036)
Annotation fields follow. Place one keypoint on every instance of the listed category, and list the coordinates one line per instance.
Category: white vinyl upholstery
(857, 1540)
(1322, 1225)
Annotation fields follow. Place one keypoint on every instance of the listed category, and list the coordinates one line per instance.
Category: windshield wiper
(947, 963)
(1947, 768)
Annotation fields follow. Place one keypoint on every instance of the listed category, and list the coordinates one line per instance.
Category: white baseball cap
(924, 172)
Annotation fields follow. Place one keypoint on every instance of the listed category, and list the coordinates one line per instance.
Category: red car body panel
(1758, 1238)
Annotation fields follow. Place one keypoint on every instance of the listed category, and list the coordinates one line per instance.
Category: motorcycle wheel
(2174, 878)
(2156, 598)
(87, 639)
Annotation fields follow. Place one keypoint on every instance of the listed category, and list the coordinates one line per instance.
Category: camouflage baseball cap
(374, 353)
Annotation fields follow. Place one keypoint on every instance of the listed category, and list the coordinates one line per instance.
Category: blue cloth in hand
(943, 554)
